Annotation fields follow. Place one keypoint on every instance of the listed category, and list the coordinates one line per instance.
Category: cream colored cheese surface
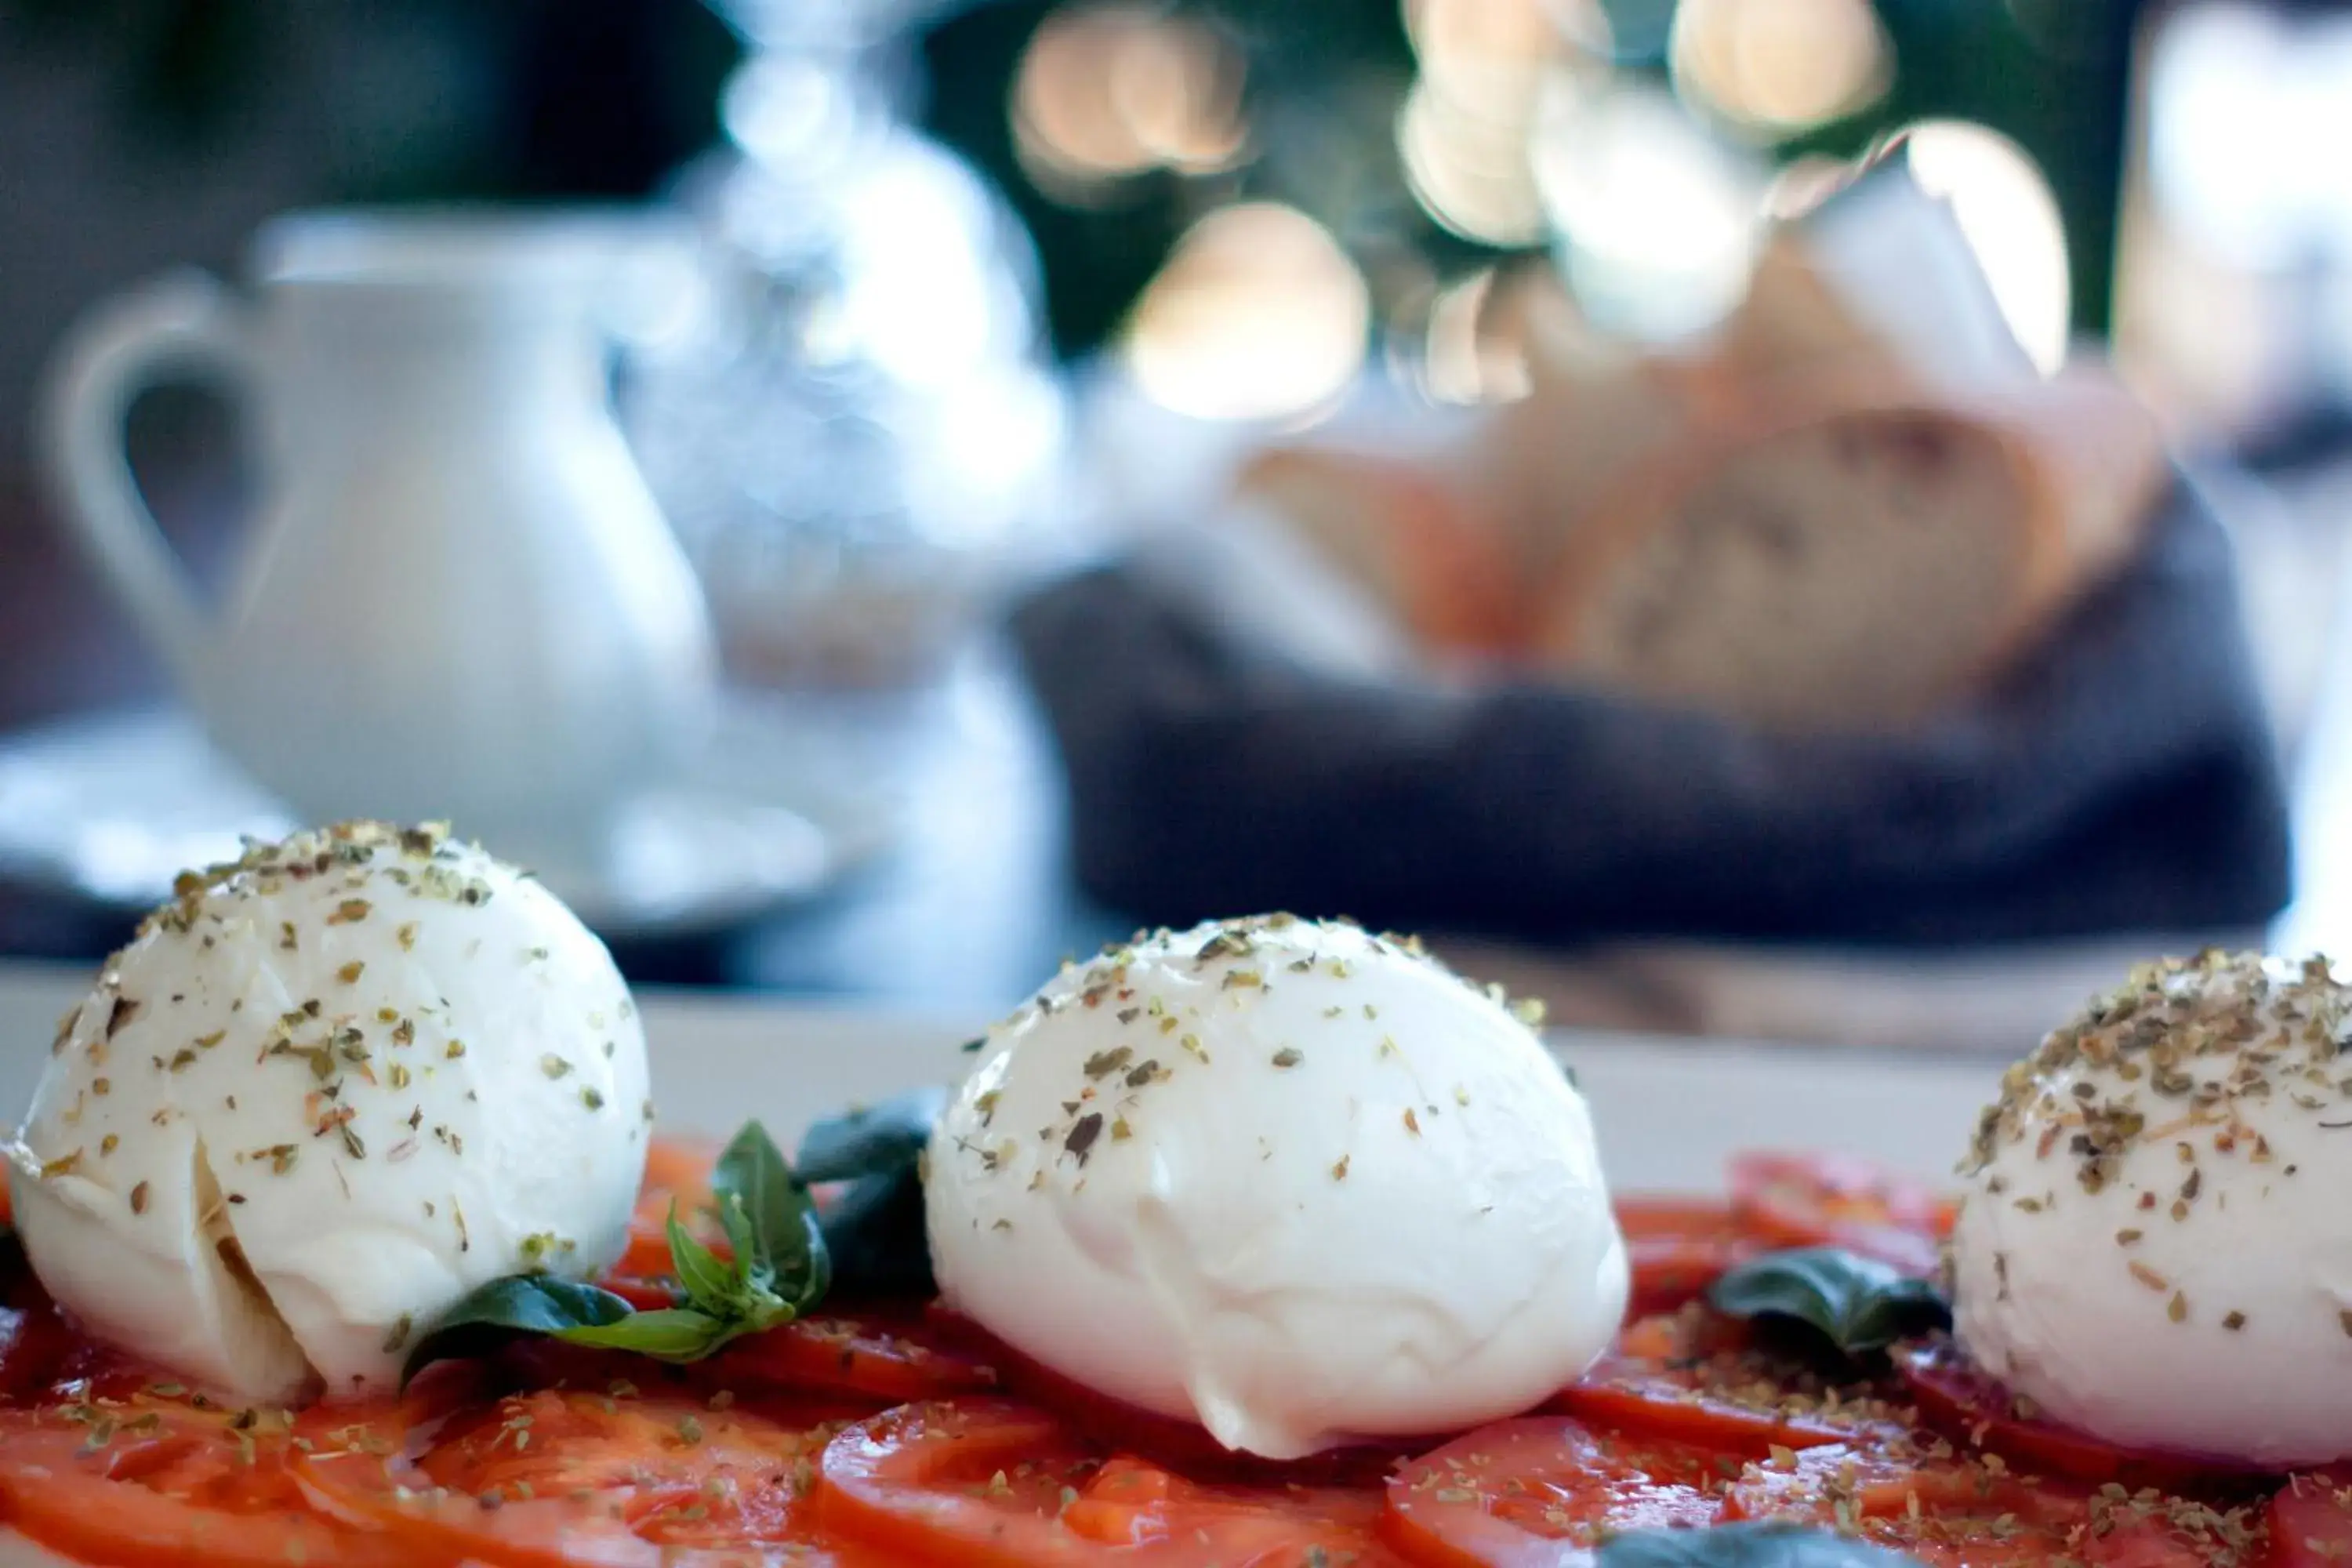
(325, 1093)
(2155, 1245)
(1287, 1178)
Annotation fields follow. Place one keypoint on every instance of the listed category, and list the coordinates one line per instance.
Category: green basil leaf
(752, 1171)
(746, 1245)
(874, 1230)
(781, 1268)
(765, 1309)
(493, 1313)
(709, 1284)
(1857, 1304)
(876, 1234)
(873, 1139)
(1745, 1546)
(789, 1255)
(667, 1333)
(802, 1271)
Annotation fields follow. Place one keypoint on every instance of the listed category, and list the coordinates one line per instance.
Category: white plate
(109, 808)
(1669, 1111)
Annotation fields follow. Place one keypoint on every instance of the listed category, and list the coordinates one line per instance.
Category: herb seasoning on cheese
(308, 1104)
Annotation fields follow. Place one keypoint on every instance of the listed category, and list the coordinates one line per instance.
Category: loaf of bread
(1595, 411)
(1855, 567)
(1839, 513)
(1854, 550)
(1839, 553)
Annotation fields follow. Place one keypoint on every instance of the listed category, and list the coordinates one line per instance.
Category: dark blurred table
(967, 908)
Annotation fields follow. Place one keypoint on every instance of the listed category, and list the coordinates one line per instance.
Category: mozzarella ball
(1297, 1181)
(325, 1092)
(2155, 1245)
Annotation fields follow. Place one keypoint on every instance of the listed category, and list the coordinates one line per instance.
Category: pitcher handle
(182, 322)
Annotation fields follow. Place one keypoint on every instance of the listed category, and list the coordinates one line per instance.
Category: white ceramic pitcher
(459, 600)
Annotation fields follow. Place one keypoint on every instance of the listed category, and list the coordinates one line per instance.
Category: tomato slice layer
(882, 1357)
(1696, 1377)
(1954, 1512)
(1677, 1247)
(1957, 1398)
(156, 1482)
(1180, 1444)
(2310, 1521)
(987, 1483)
(1524, 1492)
(1694, 1405)
(1830, 1200)
(559, 1477)
(773, 1452)
(1132, 1502)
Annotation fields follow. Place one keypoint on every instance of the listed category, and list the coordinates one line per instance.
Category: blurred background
(971, 315)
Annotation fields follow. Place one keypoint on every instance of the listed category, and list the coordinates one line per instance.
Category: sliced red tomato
(1182, 1445)
(1691, 1404)
(677, 1172)
(45, 1359)
(646, 1256)
(1797, 1193)
(565, 1476)
(2310, 1520)
(1694, 1376)
(985, 1483)
(1113, 1422)
(885, 1357)
(1958, 1400)
(1521, 1493)
(1953, 1512)
(156, 1482)
(980, 1483)
(1677, 1247)
(1835, 1200)
(679, 1166)
(646, 1295)
(1131, 1502)
(860, 1354)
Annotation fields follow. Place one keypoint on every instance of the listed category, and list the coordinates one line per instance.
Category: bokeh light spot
(1108, 92)
(1778, 67)
(1258, 314)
